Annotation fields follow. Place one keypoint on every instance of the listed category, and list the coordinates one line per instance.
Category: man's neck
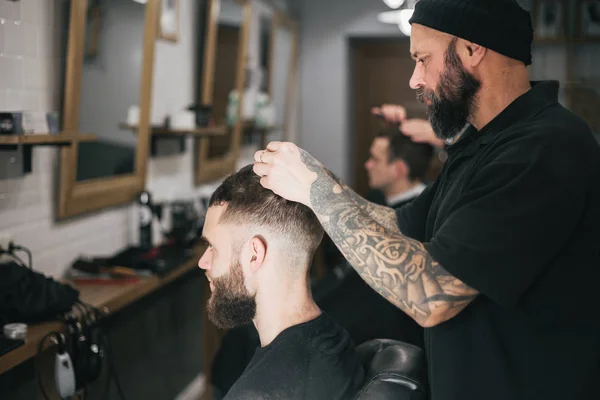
(281, 307)
(505, 87)
(398, 188)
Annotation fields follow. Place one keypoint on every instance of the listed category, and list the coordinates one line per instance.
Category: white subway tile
(11, 218)
(10, 68)
(3, 99)
(30, 40)
(30, 207)
(2, 22)
(51, 72)
(10, 10)
(31, 100)
(14, 100)
(50, 100)
(30, 11)
(13, 38)
(44, 234)
(31, 73)
(45, 42)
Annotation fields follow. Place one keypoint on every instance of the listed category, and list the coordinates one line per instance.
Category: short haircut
(249, 203)
(401, 147)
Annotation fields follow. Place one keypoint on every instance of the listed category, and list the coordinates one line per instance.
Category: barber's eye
(421, 60)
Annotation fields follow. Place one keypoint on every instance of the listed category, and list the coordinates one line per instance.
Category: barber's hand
(420, 131)
(391, 113)
(287, 170)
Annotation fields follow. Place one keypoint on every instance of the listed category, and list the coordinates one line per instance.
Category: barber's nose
(416, 80)
(205, 261)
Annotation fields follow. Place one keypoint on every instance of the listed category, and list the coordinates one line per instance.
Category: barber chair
(393, 370)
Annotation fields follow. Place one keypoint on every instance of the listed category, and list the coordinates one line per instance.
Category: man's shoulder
(554, 141)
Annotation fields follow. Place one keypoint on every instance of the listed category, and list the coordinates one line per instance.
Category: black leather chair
(393, 370)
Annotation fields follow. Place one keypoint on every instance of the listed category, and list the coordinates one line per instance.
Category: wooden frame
(271, 20)
(563, 16)
(162, 33)
(580, 34)
(282, 21)
(208, 169)
(81, 197)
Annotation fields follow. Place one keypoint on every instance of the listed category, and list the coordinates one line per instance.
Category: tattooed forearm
(397, 267)
(386, 216)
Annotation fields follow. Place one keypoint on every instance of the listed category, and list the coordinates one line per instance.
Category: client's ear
(258, 252)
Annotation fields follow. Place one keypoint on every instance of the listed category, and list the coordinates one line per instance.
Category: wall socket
(5, 239)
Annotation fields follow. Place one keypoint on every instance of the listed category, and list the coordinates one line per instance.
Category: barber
(498, 259)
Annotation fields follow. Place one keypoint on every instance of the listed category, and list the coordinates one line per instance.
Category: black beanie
(499, 25)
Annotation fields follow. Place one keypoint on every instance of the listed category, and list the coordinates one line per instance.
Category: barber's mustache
(423, 95)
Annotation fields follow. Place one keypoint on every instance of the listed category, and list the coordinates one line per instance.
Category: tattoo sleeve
(386, 216)
(397, 267)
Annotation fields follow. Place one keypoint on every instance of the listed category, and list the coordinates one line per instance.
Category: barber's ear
(475, 53)
(258, 252)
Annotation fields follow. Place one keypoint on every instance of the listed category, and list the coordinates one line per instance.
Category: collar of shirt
(541, 95)
(409, 194)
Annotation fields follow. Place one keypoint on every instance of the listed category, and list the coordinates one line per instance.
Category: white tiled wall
(29, 68)
(29, 76)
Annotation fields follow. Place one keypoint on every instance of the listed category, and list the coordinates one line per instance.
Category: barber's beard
(455, 100)
(230, 304)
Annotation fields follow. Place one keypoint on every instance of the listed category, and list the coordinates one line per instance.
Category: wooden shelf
(47, 139)
(160, 131)
(107, 298)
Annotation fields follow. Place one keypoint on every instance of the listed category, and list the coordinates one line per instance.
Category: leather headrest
(393, 370)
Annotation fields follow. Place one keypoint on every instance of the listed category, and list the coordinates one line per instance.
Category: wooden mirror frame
(209, 169)
(282, 21)
(76, 198)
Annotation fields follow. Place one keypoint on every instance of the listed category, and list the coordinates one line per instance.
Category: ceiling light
(404, 25)
(389, 17)
(393, 3)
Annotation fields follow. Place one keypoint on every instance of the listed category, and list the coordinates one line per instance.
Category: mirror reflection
(260, 116)
(224, 105)
(110, 87)
(283, 53)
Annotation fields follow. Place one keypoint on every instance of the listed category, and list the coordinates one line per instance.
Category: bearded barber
(499, 258)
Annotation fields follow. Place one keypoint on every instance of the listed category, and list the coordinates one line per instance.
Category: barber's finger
(257, 155)
(274, 146)
(393, 113)
(264, 182)
(261, 169)
(376, 111)
(267, 157)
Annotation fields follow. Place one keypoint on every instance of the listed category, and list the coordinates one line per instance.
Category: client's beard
(449, 111)
(230, 304)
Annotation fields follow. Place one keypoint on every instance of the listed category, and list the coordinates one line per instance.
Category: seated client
(257, 262)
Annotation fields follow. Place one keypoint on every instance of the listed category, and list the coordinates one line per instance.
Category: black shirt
(515, 214)
(314, 360)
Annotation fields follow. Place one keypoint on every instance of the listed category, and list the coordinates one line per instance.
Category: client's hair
(416, 155)
(249, 203)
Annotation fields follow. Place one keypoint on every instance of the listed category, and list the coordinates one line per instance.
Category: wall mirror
(284, 45)
(228, 32)
(108, 81)
(265, 26)
(259, 113)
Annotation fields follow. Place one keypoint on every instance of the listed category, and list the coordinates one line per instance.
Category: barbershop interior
(121, 122)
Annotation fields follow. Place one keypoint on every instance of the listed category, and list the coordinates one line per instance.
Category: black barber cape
(515, 214)
(315, 360)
